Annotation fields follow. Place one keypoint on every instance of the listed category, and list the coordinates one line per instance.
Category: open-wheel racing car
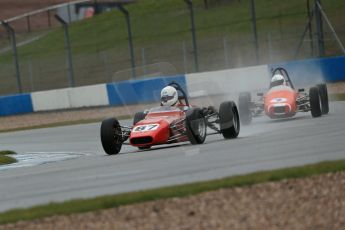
(282, 99)
(171, 124)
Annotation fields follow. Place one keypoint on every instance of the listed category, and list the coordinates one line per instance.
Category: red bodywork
(156, 129)
(280, 102)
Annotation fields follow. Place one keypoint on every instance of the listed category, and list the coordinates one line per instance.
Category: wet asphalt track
(68, 162)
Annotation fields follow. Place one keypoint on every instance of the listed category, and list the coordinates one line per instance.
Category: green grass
(104, 202)
(161, 27)
(5, 159)
(156, 22)
(7, 152)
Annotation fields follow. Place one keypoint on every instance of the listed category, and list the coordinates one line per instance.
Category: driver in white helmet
(277, 80)
(169, 96)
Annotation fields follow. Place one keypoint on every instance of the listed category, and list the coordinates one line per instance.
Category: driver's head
(169, 96)
(277, 79)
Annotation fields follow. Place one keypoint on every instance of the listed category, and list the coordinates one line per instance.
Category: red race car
(171, 124)
(282, 100)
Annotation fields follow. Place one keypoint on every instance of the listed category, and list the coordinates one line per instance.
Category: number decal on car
(145, 128)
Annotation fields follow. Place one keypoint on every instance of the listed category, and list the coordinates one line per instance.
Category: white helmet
(277, 79)
(169, 96)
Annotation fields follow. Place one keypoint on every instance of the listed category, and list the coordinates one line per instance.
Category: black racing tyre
(229, 120)
(111, 136)
(315, 105)
(244, 101)
(196, 126)
(138, 117)
(324, 98)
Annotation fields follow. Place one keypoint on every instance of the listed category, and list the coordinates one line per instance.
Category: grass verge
(337, 97)
(85, 205)
(52, 125)
(7, 152)
(63, 123)
(5, 159)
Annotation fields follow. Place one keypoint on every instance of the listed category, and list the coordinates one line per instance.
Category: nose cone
(280, 103)
(279, 110)
(150, 132)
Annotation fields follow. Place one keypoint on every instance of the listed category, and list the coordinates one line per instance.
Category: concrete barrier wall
(94, 95)
(50, 100)
(303, 73)
(120, 93)
(313, 71)
(15, 104)
(333, 69)
(200, 84)
(140, 91)
(228, 81)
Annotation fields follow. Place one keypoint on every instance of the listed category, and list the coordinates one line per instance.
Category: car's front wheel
(229, 120)
(111, 136)
(196, 126)
(324, 98)
(315, 103)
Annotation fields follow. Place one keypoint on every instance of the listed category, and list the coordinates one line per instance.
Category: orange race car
(282, 100)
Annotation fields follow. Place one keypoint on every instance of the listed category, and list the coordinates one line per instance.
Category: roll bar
(179, 89)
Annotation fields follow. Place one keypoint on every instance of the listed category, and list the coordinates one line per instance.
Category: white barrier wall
(220, 85)
(221, 82)
(50, 100)
(94, 95)
(228, 81)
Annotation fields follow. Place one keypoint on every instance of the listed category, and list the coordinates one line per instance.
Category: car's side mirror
(260, 94)
(300, 90)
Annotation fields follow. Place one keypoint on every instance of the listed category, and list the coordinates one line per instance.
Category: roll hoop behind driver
(278, 80)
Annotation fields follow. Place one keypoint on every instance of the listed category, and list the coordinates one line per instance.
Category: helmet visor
(276, 83)
(166, 98)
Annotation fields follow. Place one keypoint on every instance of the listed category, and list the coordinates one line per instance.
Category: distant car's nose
(279, 109)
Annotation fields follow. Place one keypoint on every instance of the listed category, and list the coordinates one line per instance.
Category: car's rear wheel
(315, 103)
(244, 101)
(111, 137)
(324, 98)
(196, 126)
(229, 120)
(138, 117)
